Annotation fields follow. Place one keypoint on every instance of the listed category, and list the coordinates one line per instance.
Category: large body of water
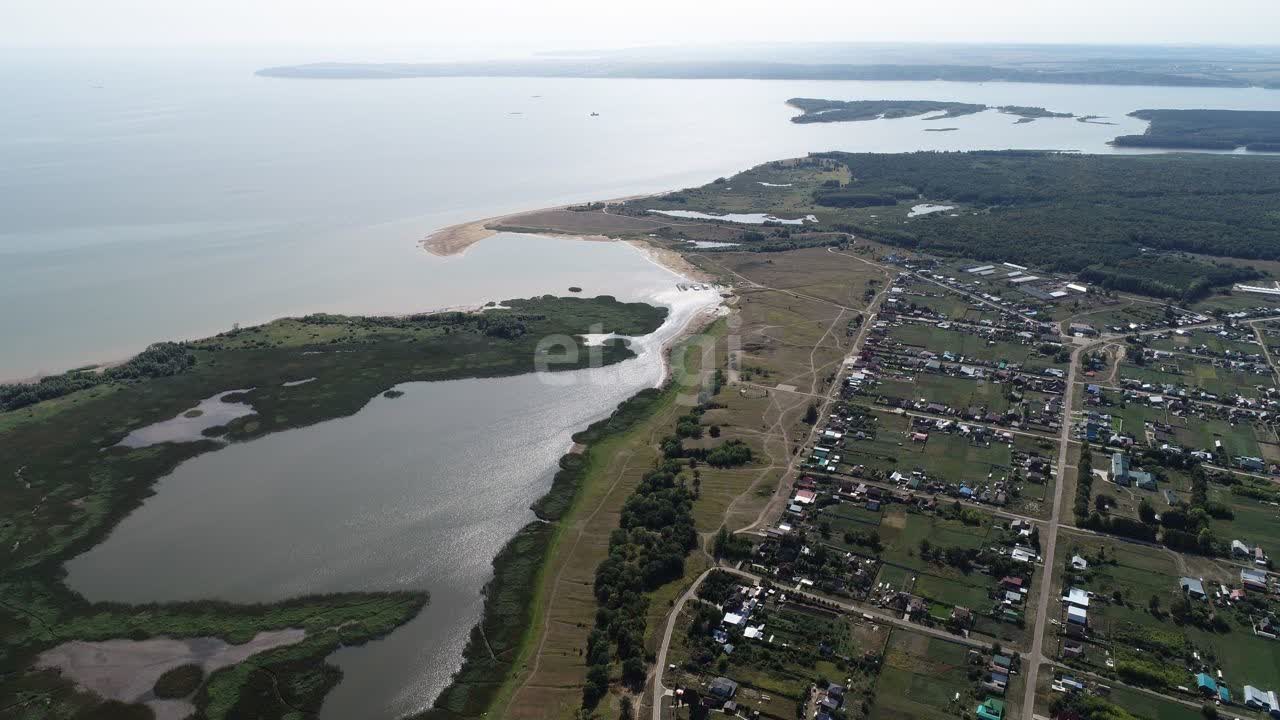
(417, 492)
(149, 201)
(142, 201)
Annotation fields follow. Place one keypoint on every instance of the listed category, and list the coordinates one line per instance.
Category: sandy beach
(457, 238)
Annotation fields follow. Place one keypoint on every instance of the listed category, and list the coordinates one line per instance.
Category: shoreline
(520, 567)
(455, 239)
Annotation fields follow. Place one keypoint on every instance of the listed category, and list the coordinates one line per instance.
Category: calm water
(157, 200)
(415, 492)
(145, 202)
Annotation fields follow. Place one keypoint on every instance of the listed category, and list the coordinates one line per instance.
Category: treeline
(1120, 220)
(159, 360)
(655, 533)
(726, 455)
(573, 466)
(1206, 129)
(816, 110)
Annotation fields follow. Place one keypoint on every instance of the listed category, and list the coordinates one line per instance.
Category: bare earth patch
(127, 670)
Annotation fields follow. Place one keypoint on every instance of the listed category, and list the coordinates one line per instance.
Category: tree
(811, 414)
(1146, 513)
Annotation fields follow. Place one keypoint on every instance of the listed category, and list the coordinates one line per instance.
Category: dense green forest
(816, 110)
(1124, 222)
(1207, 130)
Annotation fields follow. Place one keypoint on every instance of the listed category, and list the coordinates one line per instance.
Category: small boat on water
(595, 114)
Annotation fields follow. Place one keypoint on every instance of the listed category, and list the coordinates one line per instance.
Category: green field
(954, 392)
(902, 533)
(1129, 629)
(920, 679)
(970, 345)
(1200, 434)
(1151, 707)
(948, 457)
(1211, 341)
(1198, 374)
(949, 305)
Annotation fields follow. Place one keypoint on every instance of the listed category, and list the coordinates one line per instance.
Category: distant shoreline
(743, 70)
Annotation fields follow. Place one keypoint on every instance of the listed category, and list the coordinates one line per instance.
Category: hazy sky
(514, 26)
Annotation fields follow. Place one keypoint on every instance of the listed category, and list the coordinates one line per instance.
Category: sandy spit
(457, 238)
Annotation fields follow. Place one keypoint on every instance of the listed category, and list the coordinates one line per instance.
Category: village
(912, 551)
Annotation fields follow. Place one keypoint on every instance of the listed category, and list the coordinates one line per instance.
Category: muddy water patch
(190, 425)
(127, 670)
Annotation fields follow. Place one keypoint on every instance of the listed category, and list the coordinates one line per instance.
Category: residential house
(1192, 587)
(991, 709)
(1077, 621)
(1253, 579)
(723, 688)
(1120, 469)
(1259, 699)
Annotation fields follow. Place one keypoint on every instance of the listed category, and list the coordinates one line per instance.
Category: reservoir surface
(415, 492)
(156, 199)
(145, 201)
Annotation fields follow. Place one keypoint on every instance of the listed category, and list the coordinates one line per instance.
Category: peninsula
(1256, 130)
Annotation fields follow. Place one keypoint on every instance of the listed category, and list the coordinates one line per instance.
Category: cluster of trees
(159, 360)
(960, 558)
(503, 326)
(1186, 528)
(869, 539)
(1123, 219)
(689, 425)
(852, 199)
(731, 547)
(648, 549)
(1084, 486)
(717, 587)
(732, 453)
(965, 558)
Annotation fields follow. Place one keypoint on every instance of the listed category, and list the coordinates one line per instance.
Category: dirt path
(774, 506)
(1266, 351)
(1051, 537)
